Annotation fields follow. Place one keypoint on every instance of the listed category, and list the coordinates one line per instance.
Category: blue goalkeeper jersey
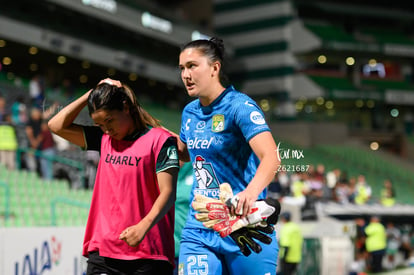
(217, 139)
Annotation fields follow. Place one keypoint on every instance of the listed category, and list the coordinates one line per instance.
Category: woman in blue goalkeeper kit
(225, 136)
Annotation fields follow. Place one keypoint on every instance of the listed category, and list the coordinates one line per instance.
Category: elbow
(53, 126)
(183, 154)
(184, 157)
(172, 200)
(276, 161)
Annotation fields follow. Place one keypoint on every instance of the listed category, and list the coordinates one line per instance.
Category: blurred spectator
(92, 161)
(393, 244)
(36, 91)
(313, 193)
(376, 243)
(3, 110)
(326, 193)
(332, 177)
(60, 95)
(363, 191)
(33, 132)
(319, 174)
(298, 190)
(19, 111)
(406, 239)
(388, 194)
(341, 192)
(284, 180)
(274, 189)
(314, 181)
(291, 240)
(40, 140)
(360, 247)
(68, 90)
(410, 260)
(352, 189)
(8, 144)
(47, 148)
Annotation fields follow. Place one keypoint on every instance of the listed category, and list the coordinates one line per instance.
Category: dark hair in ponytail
(110, 97)
(213, 49)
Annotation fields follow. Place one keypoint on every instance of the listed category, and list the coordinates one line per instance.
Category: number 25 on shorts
(196, 265)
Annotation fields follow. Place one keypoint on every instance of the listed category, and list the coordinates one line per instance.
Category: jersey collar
(209, 108)
(136, 135)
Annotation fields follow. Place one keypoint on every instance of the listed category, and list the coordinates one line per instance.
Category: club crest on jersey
(172, 152)
(218, 123)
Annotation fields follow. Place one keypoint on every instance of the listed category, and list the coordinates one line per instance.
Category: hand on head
(110, 81)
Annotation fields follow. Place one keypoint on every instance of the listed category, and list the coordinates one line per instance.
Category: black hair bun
(219, 44)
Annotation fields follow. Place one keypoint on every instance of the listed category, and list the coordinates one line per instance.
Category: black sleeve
(286, 251)
(168, 156)
(93, 137)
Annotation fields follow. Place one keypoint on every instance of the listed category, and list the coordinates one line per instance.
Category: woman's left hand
(132, 235)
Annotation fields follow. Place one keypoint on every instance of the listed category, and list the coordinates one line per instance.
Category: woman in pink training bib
(131, 219)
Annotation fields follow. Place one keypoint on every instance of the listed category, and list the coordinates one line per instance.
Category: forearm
(62, 123)
(162, 205)
(264, 147)
(64, 119)
(164, 202)
(264, 175)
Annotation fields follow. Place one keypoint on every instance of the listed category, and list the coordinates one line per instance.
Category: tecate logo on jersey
(199, 143)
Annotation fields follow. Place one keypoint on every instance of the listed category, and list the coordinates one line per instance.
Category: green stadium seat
(328, 32)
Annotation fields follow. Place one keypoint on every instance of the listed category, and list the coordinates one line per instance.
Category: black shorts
(109, 266)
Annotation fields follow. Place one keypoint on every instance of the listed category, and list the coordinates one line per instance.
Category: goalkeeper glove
(215, 213)
(244, 238)
(263, 210)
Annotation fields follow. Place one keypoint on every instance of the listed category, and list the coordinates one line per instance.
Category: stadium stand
(28, 200)
(329, 32)
(381, 84)
(354, 161)
(330, 82)
(387, 36)
(266, 48)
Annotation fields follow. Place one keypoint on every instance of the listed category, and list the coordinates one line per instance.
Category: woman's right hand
(110, 81)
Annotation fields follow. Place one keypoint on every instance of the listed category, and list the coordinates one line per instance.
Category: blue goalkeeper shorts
(204, 252)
